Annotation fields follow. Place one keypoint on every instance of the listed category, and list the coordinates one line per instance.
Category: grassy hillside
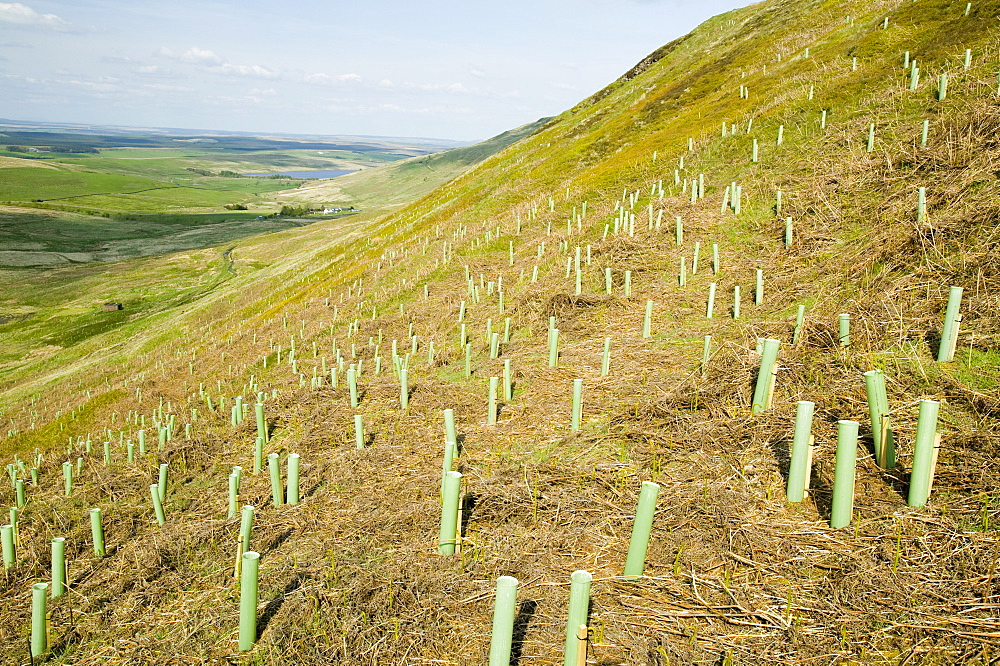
(735, 573)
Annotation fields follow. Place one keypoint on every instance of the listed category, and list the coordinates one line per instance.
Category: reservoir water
(323, 173)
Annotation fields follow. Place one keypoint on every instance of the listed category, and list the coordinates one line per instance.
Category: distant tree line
(295, 211)
(52, 149)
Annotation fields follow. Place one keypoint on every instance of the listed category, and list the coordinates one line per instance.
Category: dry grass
(735, 574)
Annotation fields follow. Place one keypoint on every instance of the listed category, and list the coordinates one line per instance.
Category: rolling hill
(811, 158)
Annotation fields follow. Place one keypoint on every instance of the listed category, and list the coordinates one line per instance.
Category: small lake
(323, 173)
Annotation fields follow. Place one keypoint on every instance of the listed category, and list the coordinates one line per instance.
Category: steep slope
(734, 573)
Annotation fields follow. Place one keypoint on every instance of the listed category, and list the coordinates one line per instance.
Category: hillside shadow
(274, 605)
(468, 504)
(821, 493)
(781, 449)
(525, 612)
(280, 539)
(933, 339)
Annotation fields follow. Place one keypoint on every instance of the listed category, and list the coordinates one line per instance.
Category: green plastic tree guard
(949, 332)
(491, 407)
(161, 486)
(359, 432)
(154, 491)
(7, 545)
(258, 455)
(58, 567)
(800, 316)
(142, 442)
(923, 453)
(635, 562)
(404, 389)
(706, 349)
(508, 387)
(878, 410)
(579, 607)
(293, 478)
(19, 497)
(627, 287)
(261, 423)
(450, 434)
(39, 621)
(274, 469)
(503, 621)
(766, 376)
(647, 320)
(842, 507)
(798, 468)
(67, 468)
(577, 412)
(233, 495)
(451, 485)
(844, 329)
(758, 294)
(553, 347)
(248, 600)
(246, 527)
(606, 358)
(710, 306)
(736, 302)
(97, 531)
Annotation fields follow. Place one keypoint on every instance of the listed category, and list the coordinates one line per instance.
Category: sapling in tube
(503, 621)
(639, 542)
(842, 507)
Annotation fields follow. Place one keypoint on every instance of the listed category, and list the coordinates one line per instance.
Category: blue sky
(453, 70)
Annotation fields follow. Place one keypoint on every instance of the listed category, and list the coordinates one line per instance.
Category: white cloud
(18, 14)
(322, 78)
(96, 86)
(478, 73)
(201, 56)
(148, 69)
(167, 88)
(397, 109)
(441, 87)
(227, 68)
(211, 61)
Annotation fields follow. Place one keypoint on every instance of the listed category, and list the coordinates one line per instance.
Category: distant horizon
(208, 131)
(391, 69)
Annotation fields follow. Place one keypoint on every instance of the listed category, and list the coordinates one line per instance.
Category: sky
(461, 70)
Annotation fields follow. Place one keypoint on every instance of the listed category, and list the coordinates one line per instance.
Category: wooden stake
(934, 459)
(581, 645)
(237, 568)
(809, 461)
